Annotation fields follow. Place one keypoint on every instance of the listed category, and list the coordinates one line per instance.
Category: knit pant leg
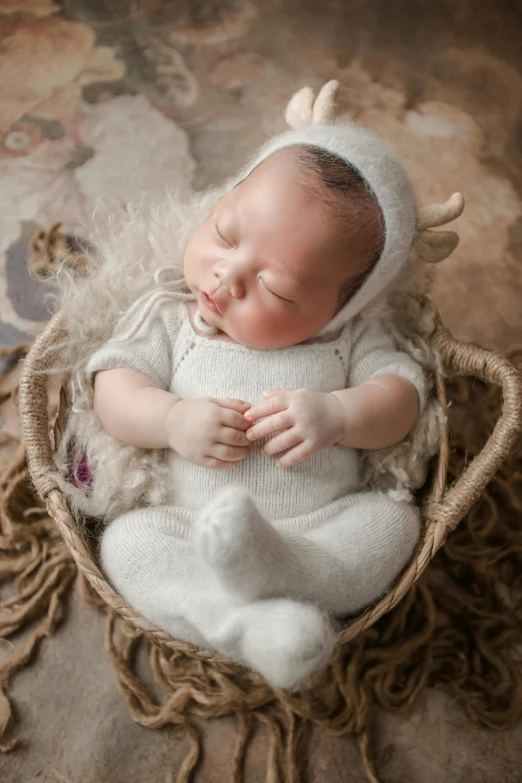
(148, 557)
(348, 562)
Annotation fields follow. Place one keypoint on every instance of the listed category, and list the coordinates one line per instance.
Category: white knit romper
(342, 546)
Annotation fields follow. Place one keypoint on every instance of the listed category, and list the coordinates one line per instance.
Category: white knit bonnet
(313, 123)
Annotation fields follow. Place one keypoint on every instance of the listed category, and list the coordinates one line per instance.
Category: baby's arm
(206, 431)
(132, 374)
(380, 407)
(370, 416)
(386, 389)
(133, 408)
(379, 412)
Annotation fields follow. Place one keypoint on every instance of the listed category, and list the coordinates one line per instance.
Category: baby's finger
(230, 418)
(229, 453)
(237, 405)
(294, 456)
(232, 437)
(271, 392)
(281, 442)
(217, 464)
(275, 404)
(275, 423)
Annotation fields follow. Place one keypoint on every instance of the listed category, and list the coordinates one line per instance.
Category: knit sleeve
(375, 353)
(143, 339)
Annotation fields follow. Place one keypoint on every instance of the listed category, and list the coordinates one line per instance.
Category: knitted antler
(435, 246)
(304, 109)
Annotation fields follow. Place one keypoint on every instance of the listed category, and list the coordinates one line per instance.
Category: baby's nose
(231, 278)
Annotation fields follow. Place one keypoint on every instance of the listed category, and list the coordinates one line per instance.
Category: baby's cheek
(270, 329)
(188, 266)
(194, 259)
(260, 330)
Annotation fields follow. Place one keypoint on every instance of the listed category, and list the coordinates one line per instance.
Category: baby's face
(266, 265)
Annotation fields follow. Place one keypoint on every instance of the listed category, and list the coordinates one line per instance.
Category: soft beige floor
(78, 731)
(441, 81)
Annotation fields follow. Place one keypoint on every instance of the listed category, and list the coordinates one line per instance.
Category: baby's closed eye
(271, 291)
(221, 234)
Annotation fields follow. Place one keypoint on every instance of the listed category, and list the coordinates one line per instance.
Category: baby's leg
(148, 558)
(353, 559)
(341, 566)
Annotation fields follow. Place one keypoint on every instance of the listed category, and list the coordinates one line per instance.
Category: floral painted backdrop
(68, 135)
(116, 97)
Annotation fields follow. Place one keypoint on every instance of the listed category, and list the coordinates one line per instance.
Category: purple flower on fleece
(79, 471)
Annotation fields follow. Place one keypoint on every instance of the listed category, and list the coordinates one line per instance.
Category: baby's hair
(350, 200)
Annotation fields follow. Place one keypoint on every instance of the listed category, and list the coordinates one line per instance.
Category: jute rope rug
(459, 628)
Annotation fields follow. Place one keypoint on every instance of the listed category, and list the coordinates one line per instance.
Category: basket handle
(467, 359)
(34, 399)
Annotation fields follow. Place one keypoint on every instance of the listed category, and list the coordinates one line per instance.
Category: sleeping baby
(264, 384)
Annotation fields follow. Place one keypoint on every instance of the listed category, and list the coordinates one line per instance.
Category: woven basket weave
(443, 506)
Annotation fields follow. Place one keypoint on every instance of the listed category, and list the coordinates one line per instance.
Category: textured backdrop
(120, 96)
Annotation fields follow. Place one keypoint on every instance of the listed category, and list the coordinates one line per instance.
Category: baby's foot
(285, 641)
(244, 552)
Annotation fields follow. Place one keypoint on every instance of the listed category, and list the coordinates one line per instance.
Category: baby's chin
(251, 336)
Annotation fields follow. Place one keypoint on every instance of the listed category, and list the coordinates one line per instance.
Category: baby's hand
(209, 432)
(308, 421)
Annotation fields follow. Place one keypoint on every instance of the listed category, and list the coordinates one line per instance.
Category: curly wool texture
(130, 248)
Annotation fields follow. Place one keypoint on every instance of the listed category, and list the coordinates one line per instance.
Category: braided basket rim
(442, 509)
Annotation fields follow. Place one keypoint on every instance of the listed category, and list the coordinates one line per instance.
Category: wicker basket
(443, 506)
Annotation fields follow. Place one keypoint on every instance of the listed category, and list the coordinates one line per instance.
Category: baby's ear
(435, 246)
(303, 109)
